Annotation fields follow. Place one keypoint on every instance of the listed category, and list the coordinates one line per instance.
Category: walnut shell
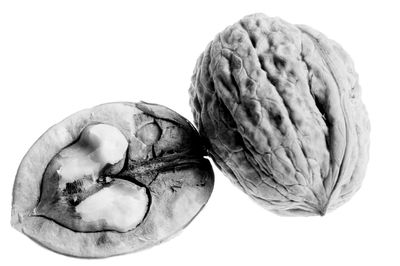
(280, 107)
(164, 155)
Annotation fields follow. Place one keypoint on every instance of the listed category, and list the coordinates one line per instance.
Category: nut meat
(112, 179)
(280, 107)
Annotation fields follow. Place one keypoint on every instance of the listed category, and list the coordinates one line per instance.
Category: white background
(58, 57)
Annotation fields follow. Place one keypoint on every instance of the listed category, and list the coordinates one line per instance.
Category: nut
(112, 179)
(280, 108)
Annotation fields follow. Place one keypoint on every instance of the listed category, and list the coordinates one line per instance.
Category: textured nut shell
(280, 106)
(170, 211)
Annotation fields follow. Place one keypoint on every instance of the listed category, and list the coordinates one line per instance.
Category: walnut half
(112, 179)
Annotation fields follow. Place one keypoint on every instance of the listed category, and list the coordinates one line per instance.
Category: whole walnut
(280, 108)
(112, 179)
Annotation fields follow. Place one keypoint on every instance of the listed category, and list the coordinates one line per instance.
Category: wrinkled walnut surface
(280, 107)
(164, 155)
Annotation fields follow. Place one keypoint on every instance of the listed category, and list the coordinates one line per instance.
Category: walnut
(112, 179)
(280, 108)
